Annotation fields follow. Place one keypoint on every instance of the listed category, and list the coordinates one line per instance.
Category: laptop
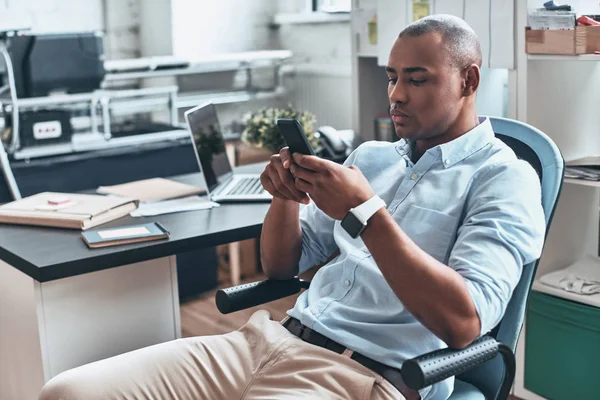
(222, 184)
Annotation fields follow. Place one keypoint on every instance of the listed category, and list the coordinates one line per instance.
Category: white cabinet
(493, 21)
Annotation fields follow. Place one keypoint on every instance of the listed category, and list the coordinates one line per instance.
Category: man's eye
(392, 80)
(416, 82)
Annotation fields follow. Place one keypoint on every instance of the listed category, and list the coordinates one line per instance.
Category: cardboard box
(581, 40)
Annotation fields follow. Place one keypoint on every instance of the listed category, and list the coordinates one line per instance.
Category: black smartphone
(294, 136)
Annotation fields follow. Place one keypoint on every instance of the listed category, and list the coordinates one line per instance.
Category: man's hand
(279, 181)
(334, 188)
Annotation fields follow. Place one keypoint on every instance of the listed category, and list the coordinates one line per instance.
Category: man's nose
(398, 94)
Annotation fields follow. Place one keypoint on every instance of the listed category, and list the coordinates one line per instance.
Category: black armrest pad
(438, 365)
(252, 294)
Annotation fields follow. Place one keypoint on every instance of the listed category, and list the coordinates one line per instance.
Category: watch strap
(366, 210)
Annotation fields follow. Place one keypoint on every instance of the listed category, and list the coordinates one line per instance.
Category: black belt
(392, 375)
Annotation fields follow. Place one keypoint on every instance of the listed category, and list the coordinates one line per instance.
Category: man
(432, 233)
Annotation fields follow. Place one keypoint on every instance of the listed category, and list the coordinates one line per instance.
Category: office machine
(67, 63)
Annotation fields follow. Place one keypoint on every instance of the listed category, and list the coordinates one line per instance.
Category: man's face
(424, 90)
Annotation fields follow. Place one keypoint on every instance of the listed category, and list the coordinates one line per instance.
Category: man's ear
(471, 78)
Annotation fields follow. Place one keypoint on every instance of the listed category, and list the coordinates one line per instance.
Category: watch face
(352, 225)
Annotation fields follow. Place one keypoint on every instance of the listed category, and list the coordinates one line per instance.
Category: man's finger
(304, 186)
(312, 163)
(284, 190)
(287, 180)
(268, 186)
(302, 173)
(286, 157)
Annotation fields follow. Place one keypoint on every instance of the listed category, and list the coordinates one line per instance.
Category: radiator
(324, 90)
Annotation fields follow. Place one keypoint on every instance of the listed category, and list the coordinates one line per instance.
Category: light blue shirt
(469, 203)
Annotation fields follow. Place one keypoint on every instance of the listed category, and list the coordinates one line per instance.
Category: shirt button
(413, 176)
(447, 161)
(346, 283)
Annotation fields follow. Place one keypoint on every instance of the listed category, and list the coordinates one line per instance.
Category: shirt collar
(467, 144)
(458, 149)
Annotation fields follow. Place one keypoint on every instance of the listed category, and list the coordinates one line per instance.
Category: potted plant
(261, 127)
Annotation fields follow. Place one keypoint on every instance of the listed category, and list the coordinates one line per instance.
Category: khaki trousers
(261, 360)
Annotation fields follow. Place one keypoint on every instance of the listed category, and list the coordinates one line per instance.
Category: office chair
(486, 368)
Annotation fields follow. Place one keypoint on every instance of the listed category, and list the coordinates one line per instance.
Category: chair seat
(465, 391)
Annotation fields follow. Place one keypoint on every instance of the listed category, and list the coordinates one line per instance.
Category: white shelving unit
(113, 101)
(558, 57)
(309, 18)
(557, 94)
(582, 182)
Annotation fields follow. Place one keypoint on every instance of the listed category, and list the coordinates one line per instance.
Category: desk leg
(234, 263)
(47, 328)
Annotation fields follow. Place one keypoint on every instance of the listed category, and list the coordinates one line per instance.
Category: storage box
(581, 40)
(562, 348)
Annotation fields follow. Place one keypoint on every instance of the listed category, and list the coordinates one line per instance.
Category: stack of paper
(587, 168)
(556, 20)
(589, 174)
(171, 206)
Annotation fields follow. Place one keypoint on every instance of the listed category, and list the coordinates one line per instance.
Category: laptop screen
(209, 144)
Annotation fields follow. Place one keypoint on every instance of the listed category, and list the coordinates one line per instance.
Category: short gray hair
(460, 39)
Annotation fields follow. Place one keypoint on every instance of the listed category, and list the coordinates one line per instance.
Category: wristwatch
(356, 219)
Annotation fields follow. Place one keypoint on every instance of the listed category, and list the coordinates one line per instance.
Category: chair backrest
(533, 146)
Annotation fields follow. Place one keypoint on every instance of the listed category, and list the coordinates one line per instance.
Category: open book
(66, 210)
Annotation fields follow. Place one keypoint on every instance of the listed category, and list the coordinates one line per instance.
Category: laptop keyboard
(246, 186)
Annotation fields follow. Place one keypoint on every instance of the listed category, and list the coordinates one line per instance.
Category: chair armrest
(252, 294)
(438, 365)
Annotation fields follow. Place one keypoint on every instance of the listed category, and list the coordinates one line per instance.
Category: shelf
(185, 100)
(217, 63)
(83, 142)
(310, 18)
(98, 95)
(582, 182)
(32, 102)
(557, 57)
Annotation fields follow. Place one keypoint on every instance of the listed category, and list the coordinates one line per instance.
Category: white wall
(322, 56)
(122, 26)
(197, 28)
(120, 18)
(156, 37)
(492, 96)
(60, 15)
(205, 27)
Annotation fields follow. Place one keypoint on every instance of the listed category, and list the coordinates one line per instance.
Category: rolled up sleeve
(503, 230)
(317, 237)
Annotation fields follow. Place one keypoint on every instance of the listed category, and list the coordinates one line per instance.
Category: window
(331, 6)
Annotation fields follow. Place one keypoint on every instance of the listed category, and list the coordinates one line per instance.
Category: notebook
(154, 189)
(66, 210)
(125, 235)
